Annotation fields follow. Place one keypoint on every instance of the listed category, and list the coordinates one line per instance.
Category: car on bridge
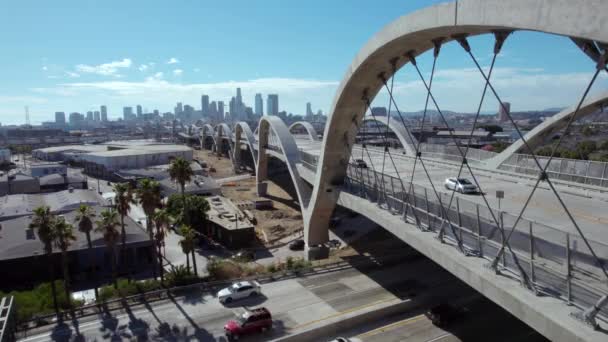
(462, 185)
(248, 322)
(239, 290)
(360, 164)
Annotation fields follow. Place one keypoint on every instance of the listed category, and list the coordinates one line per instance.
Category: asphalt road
(295, 304)
(589, 213)
(482, 321)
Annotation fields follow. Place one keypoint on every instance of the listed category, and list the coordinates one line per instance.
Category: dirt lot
(282, 221)
(223, 166)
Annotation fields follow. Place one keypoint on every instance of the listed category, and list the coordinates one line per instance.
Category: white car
(461, 185)
(239, 290)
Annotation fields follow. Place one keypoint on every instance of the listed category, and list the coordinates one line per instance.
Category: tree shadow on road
(200, 334)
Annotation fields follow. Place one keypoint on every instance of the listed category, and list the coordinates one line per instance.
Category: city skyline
(157, 67)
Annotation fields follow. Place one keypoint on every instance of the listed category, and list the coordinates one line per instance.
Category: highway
(588, 210)
(295, 304)
(482, 321)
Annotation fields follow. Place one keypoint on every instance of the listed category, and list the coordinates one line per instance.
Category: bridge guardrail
(552, 261)
(205, 286)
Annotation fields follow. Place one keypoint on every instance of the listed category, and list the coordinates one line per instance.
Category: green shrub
(289, 262)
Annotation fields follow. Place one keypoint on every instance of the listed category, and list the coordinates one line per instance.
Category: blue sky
(76, 55)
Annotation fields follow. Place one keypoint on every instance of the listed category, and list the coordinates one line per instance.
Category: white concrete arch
(415, 33)
(409, 143)
(312, 132)
(208, 130)
(548, 127)
(240, 128)
(290, 152)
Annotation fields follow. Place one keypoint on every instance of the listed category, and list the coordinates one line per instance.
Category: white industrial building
(5, 155)
(105, 159)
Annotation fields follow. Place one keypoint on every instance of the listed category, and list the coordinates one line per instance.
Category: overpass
(540, 253)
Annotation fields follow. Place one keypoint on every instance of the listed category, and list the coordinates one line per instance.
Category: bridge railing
(550, 260)
(571, 170)
(547, 260)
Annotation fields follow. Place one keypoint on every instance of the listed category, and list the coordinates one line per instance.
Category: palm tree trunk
(160, 264)
(93, 264)
(113, 261)
(188, 261)
(66, 278)
(194, 263)
(154, 257)
(124, 242)
(52, 276)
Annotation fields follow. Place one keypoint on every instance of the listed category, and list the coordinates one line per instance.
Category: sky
(74, 56)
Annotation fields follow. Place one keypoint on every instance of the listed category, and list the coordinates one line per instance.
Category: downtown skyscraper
(259, 105)
(272, 104)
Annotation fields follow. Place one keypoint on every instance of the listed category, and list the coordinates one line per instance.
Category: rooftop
(12, 206)
(226, 214)
(18, 241)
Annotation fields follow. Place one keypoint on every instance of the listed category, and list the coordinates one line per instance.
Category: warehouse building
(104, 160)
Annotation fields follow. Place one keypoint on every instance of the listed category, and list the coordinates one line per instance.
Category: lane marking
(391, 326)
(439, 337)
(340, 313)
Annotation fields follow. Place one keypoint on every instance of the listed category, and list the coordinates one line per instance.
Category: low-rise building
(5, 155)
(22, 253)
(228, 224)
(44, 169)
(104, 160)
(19, 183)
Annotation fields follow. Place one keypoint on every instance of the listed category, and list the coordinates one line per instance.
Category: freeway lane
(483, 321)
(295, 304)
(590, 213)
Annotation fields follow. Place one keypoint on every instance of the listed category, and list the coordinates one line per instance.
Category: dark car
(360, 163)
(444, 314)
(296, 245)
(248, 322)
(244, 255)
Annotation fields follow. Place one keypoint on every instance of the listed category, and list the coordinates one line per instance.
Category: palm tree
(188, 242)
(181, 172)
(42, 222)
(149, 197)
(84, 219)
(63, 235)
(122, 201)
(162, 220)
(107, 227)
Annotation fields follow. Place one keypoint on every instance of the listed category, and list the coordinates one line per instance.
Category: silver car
(239, 290)
(461, 185)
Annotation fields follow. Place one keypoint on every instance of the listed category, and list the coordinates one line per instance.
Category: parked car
(244, 255)
(443, 314)
(360, 163)
(296, 245)
(340, 339)
(250, 321)
(239, 290)
(461, 185)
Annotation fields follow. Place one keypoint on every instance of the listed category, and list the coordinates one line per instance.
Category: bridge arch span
(290, 151)
(548, 127)
(312, 132)
(409, 143)
(240, 128)
(415, 33)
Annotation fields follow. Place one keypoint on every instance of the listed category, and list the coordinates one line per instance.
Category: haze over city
(167, 53)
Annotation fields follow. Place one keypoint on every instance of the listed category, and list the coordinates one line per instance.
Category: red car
(250, 321)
